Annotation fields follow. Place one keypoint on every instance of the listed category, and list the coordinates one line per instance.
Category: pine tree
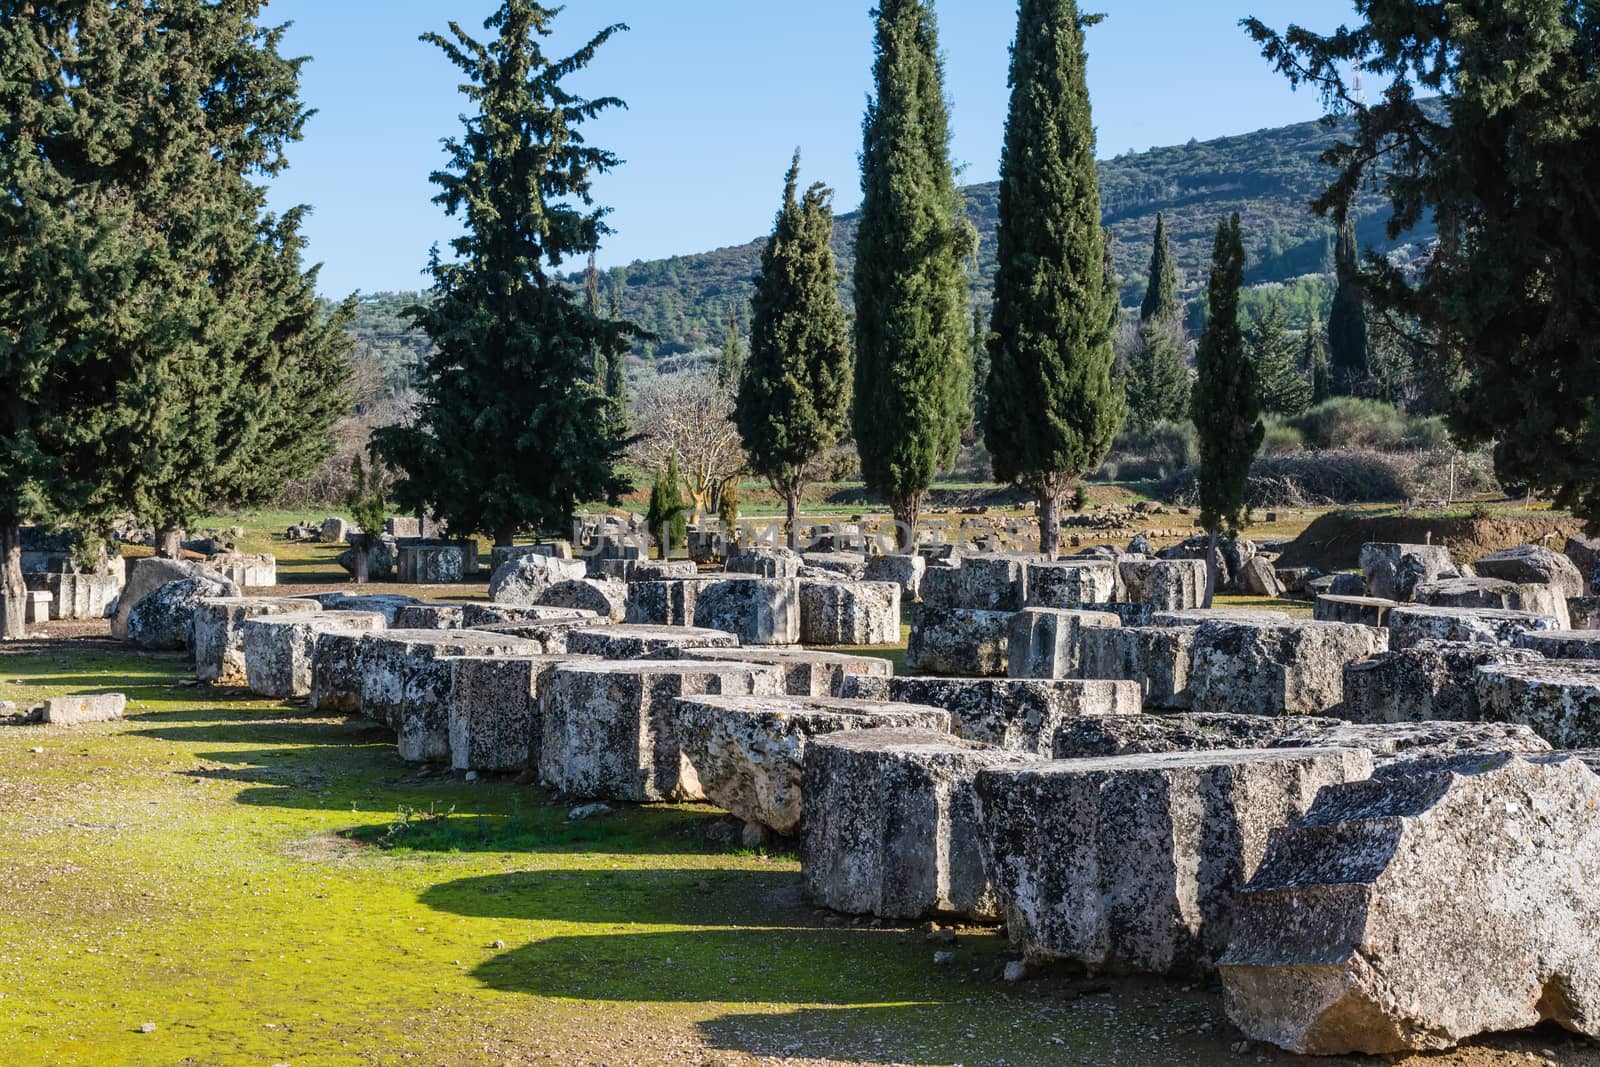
(1158, 385)
(1227, 401)
(1314, 363)
(1284, 389)
(794, 396)
(511, 431)
(1161, 298)
(1053, 405)
(1348, 355)
(911, 325)
(730, 361)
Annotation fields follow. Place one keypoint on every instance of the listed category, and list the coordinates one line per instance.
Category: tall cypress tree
(910, 286)
(511, 431)
(1285, 390)
(1161, 297)
(1314, 362)
(730, 361)
(1227, 401)
(1348, 356)
(980, 371)
(1054, 407)
(794, 397)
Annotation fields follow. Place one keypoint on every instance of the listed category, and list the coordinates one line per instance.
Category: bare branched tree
(690, 415)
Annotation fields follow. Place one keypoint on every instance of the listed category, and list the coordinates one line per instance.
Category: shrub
(1152, 455)
(1282, 441)
(1349, 422)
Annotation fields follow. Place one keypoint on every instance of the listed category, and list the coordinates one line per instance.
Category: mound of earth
(1333, 542)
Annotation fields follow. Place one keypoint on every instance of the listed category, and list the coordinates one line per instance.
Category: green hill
(1269, 177)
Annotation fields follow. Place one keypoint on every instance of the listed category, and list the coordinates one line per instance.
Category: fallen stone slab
(77, 596)
(1257, 577)
(606, 598)
(336, 671)
(957, 641)
(1019, 714)
(806, 672)
(749, 752)
(609, 731)
(1134, 863)
(1075, 584)
(524, 579)
(147, 575)
(1100, 736)
(1417, 910)
(1413, 623)
(82, 710)
(477, 616)
(1356, 610)
(1157, 659)
(164, 619)
(280, 650)
(386, 604)
(1277, 669)
(645, 642)
(495, 719)
(1410, 742)
(1534, 565)
(765, 563)
(218, 640)
(891, 824)
(904, 571)
(648, 570)
(1496, 593)
(1198, 617)
(665, 603)
(1393, 571)
(430, 563)
(1164, 584)
(431, 617)
(758, 611)
(1562, 644)
(1047, 642)
(551, 634)
(851, 614)
(406, 680)
(1560, 699)
(1431, 680)
(848, 566)
(993, 583)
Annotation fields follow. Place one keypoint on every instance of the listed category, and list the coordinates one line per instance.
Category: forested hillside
(1269, 177)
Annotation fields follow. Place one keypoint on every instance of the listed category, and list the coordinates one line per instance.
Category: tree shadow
(531, 822)
(665, 897)
(271, 730)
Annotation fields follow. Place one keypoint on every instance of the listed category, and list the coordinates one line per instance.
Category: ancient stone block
(1072, 584)
(218, 640)
(904, 571)
(494, 717)
(1413, 623)
(1164, 584)
(164, 618)
(749, 752)
(81, 710)
(336, 671)
(147, 575)
(1495, 593)
(1534, 564)
(429, 563)
(608, 729)
(549, 634)
(523, 580)
(806, 672)
(1021, 714)
(1198, 617)
(1046, 642)
(1277, 669)
(247, 571)
(77, 596)
(1394, 743)
(1124, 735)
(1355, 610)
(476, 616)
(1393, 572)
(648, 570)
(605, 598)
(759, 611)
(645, 642)
(386, 604)
(1584, 611)
(431, 617)
(891, 825)
(1416, 910)
(1431, 680)
(1256, 577)
(958, 641)
(279, 650)
(1157, 659)
(849, 613)
(1562, 644)
(1133, 863)
(1560, 699)
(848, 566)
(766, 563)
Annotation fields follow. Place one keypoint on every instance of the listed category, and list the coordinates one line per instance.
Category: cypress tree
(1284, 389)
(1347, 320)
(1158, 385)
(666, 515)
(1161, 297)
(1227, 401)
(1054, 408)
(980, 371)
(910, 286)
(511, 431)
(794, 396)
(1314, 361)
(730, 361)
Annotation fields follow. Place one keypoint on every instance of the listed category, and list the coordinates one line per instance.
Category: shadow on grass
(264, 728)
(670, 897)
(529, 824)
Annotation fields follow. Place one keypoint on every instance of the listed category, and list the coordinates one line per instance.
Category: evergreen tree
(980, 371)
(1314, 363)
(910, 288)
(1161, 298)
(1227, 401)
(1157, 381)
(1053, 406)
(1285, 390)
(794, 396)
(511, 431)
(730, 361)
(1347, 320)
(666, 514)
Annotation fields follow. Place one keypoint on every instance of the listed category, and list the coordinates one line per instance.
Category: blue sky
(720, 93)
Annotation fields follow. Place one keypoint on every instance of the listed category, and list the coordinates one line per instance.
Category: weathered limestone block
(1198, 617)
(1133, 863)
(759, 611)
(380, 558)
(1496, 593)
(1346, 584)
(147, 575)
(1164, 584)
(336, 671)
(1418, 909)
(1560, 699)
(648, 570)
(1413, 623)
(258, 571)
(891, 823)
(853, 614)
(1047, 642)
(1429, 681)
(522, 580)
(958, 641)
(406, 679)
(1393, 743)
(1100, 736)
(1562, 644)
(766, 563)
(164, 619)
(550, 635)
(644, 642)
(494, 718)
(749, 752)
(1257, 577)
(500, 555)
(77, 596)
(386, 604)
(477, 616)
(1534, 565)
(430, 563)
(605, 598)
(1584, 552)
(1393, 572)
(431, 617)
(904, 571)
(608, 730)
(1356, 610)
(1156, 658)
(218, 642)
(664, 603)
(1072, 583)
(335, 531)
(1020, 714)
(82, 710)
(279, 650)
(806, 673)
(1584, 611)
(849, 566)
(941, 587)
(1277, 669)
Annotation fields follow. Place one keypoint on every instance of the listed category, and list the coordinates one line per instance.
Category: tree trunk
(908, 513)
(363, 561)
(1211, 568)
(169, 542)
(791, 504)
(1051, 489)
(505, 536)
(13, 593)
